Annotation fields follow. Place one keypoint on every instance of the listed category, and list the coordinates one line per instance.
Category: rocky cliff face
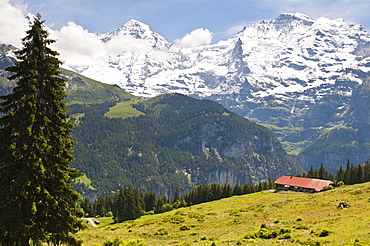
(218, 134)
(348, 140)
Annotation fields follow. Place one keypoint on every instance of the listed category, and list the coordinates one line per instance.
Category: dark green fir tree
(37, 202)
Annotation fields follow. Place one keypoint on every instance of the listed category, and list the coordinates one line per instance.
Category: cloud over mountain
(196, 38)
(76, 45)
(12, 23)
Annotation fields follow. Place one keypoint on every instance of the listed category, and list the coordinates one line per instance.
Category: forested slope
(178, 142)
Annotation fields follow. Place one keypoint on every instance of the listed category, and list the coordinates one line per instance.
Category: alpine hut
(301, 184)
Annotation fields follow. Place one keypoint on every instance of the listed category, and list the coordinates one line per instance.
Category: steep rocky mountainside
(349, 139)
(295, 75)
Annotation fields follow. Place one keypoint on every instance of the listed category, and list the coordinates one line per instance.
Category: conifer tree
(237, 190)
(359, 175)
(37, 202)
(100, 206)
(177, 195)
(119, 201)
(150, 200)
(87, 206)
(367, 171)
(340, 174)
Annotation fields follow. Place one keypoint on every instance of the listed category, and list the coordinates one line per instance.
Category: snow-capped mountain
(287, 58)
(299, 76)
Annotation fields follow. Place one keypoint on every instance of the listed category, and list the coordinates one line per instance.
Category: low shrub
(174, 219)
(358, 242)
(113, 242)
(321, 233)
(285, 236)
(285, 230)
(195, 215)
(266, 232)
(234, 213)
(203, 238)
(250, 235)
(184, 228)
(133, 242)
(161, 232)
(301, 227)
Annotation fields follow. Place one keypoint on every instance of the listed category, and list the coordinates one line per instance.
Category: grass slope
(123, 110)
(294, 218)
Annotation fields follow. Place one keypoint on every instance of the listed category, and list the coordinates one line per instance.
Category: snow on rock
(291, 58)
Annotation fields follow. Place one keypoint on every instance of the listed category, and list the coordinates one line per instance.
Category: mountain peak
(290, 20)
(137, 30)
(133, 28)
(135, 24)
(295, 16)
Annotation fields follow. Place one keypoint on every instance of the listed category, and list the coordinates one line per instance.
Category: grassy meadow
(284, 218)
(123, 110)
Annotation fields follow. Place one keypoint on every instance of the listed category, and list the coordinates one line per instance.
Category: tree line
(352, 174)
(129, 203)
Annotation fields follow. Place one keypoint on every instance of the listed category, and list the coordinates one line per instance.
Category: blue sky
(172, 19)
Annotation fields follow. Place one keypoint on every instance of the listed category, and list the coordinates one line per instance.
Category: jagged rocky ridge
(294, 74)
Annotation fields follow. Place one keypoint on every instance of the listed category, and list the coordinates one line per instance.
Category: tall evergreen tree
(177, 196)
(340, 174)
(37, 202)
(367, 171)
(100, 206)
(119, 201)
(87, 206)
(150, 200)
(360, 174)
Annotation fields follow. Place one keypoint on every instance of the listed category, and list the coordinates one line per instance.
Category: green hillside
(263, 218)
(177, 141)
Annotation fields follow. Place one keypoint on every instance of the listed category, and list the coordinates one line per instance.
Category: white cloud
(76, 45)
(196, 38)
(79, 47)
(13, 24)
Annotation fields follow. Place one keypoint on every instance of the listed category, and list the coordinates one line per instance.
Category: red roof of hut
(310, 183)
